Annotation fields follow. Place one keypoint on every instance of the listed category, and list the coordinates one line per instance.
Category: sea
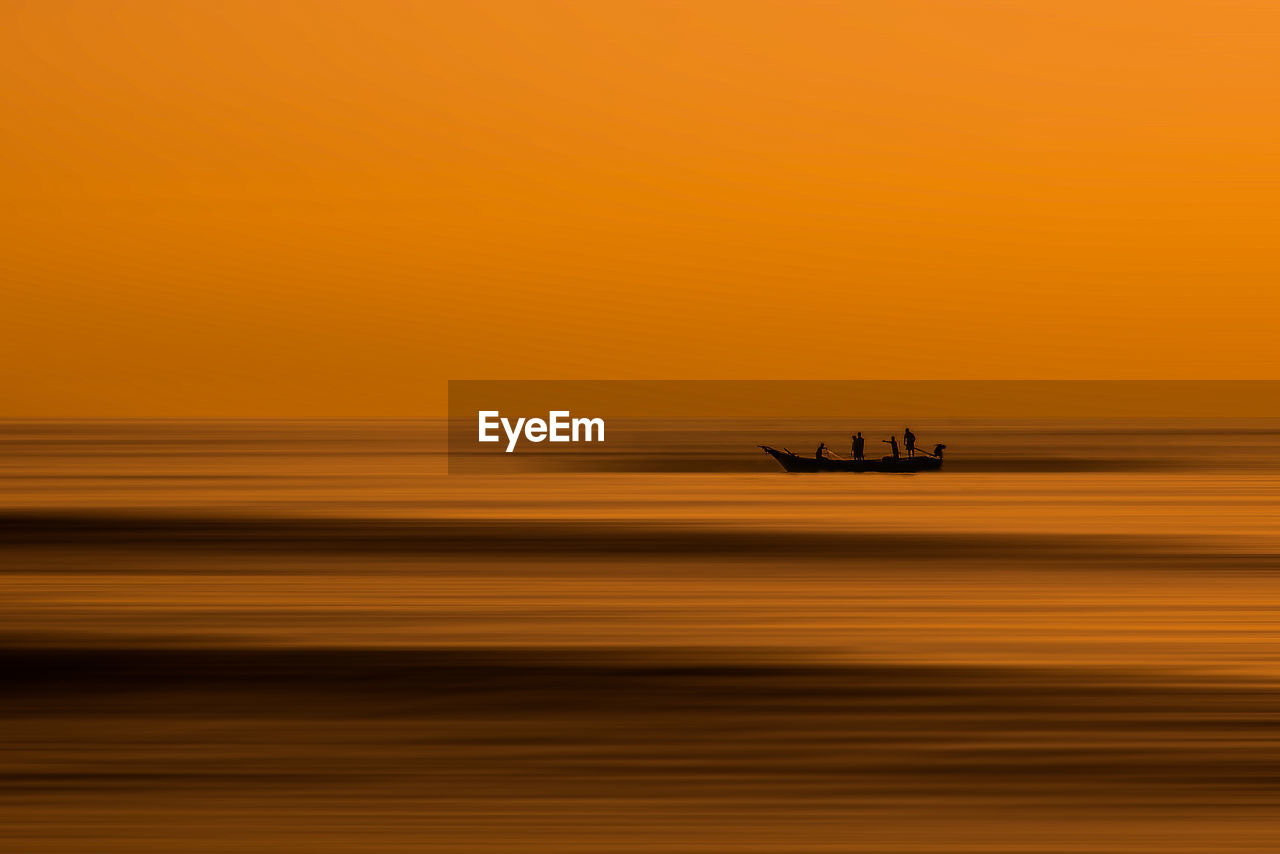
(330, 636)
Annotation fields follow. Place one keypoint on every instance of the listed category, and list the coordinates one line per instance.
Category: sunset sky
(238, 207)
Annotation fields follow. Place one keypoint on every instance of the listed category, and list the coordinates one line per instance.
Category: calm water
(304, 636)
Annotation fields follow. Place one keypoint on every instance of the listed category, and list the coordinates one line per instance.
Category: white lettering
(558, 427)
(486, 425)
(512, 434)
(587, 424)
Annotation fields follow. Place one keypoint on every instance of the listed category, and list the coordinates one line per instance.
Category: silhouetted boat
(903, 465)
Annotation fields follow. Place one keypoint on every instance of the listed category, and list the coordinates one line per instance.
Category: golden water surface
(306, 637)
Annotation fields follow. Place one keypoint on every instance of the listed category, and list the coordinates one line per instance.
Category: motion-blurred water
(304, 636)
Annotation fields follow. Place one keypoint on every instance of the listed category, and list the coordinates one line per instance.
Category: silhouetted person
(893, 445)
(858, 444)
(938, 449)
(909, 439)
(822, 446)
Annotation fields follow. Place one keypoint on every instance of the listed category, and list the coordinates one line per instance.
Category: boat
(901, 465)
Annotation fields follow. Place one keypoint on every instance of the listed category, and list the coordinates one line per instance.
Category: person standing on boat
(909, 439)
(858, 443)
(893, 446)
(822, 446)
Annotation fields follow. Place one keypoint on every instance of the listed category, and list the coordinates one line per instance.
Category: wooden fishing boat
(903, 465)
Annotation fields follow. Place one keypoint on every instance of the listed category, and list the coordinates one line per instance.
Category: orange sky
(249, 207)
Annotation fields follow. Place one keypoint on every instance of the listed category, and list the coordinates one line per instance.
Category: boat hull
(904, 465)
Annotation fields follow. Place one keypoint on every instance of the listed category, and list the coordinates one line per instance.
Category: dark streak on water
(490, 539)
